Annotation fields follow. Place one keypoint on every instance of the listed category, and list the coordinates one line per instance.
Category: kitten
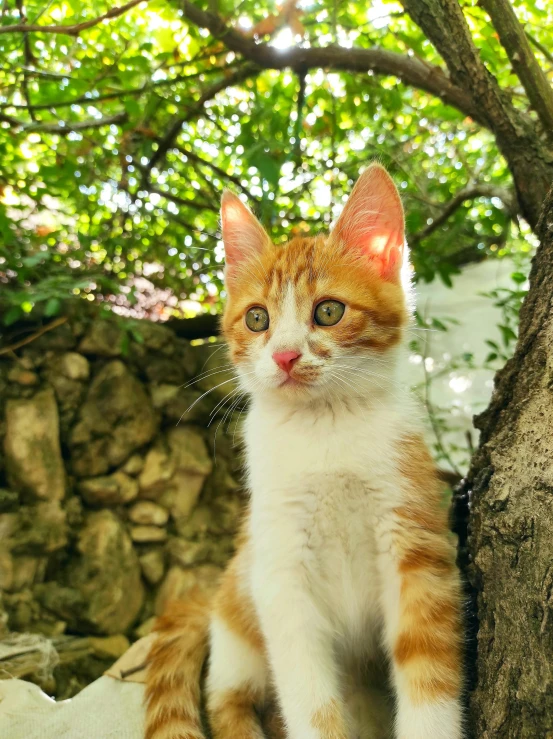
(345, 556)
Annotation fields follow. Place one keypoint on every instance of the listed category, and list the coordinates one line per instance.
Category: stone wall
(112, 500)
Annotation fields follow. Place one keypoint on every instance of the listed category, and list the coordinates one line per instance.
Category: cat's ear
(372, 222)
(243, 235)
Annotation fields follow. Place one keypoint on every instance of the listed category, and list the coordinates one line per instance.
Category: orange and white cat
(345, 556)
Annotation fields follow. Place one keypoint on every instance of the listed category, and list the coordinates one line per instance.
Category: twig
(411, 71)
(23, 342)
(467, 193)
(133, 670)
(70, 30)
(168, 140)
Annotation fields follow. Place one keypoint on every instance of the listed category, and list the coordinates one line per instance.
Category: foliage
(116, 141)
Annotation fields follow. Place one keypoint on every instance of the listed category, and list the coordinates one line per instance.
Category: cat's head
(322, 316)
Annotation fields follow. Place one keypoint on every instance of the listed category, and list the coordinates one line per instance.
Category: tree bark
(507, 500)
(528, 155)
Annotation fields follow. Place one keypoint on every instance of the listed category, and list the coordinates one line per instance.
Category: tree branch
(527, 154)
(466, 193)
(248, 70)
(410, 70)
(73, 30)
(65, 128)
(514, 40)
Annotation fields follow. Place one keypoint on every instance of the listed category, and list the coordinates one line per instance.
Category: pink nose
(285, 360)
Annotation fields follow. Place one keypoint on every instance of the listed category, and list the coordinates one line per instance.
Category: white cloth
(106, 709)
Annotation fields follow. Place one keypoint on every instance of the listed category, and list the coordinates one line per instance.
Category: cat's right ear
(243, 235)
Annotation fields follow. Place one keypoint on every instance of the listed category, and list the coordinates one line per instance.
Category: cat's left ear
(243, 235)
(372, 222)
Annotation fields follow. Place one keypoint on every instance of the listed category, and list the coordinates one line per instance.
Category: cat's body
(344, 559)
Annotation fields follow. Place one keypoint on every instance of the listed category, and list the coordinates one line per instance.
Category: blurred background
(120, 125)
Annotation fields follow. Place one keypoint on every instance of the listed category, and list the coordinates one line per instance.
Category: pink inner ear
(372, 222)
(243, 235)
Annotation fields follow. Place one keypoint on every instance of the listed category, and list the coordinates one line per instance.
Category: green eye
(257, 319)
(329, 312)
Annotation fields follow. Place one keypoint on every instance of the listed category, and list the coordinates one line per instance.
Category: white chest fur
(321, 480)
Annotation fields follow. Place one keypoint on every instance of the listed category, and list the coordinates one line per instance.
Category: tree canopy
(121, 125)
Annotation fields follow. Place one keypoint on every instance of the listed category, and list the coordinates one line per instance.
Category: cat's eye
(257, 319)
(329, 312)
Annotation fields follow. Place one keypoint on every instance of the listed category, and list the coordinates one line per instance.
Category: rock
(148, 513)
(187, 553)
(215, 376)
(6, 570)
(164, 369)
(32, 447)
(108, 490)
(157, 471)
(133, 466)
(189, 451)
(155, 336)
(104, 338)
(103, 591)
(74, 366)
(109, 647)
(116, 419)
(23, 376)
(9, 500)
(182, 496)
(27, 571)
(38, 529)
(178, 471)
(179, 582)
(67, 374)
(153, 566)
(148, 534)
(181, 403)
(146, 628)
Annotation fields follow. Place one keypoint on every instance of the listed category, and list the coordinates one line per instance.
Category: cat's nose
(285, 360)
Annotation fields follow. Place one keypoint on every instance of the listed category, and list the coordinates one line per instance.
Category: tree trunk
(508, 552)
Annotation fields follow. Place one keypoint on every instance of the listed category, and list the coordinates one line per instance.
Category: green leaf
(12, 315)
(52, 307)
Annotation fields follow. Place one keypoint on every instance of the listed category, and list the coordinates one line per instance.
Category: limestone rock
(74, 366)
(116, 419)
(9, 500)
(153, 566)
(27, 571)
(181, 403)
(38, 529)
(213, 550)
(179, 582)
(134, 465)
(6, 570)
(67, 373)
(104, 338)
(148, 534)
(148, 513)
(103, 590)
(146, 628)
(32, 447)
(157, 471)
(109, 647)
(189, 451)
(215, 376)
(108, 490)
(23, 376)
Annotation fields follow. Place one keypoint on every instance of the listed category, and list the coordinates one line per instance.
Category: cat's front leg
(421, 595)
(422, 624)
(299, 647)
